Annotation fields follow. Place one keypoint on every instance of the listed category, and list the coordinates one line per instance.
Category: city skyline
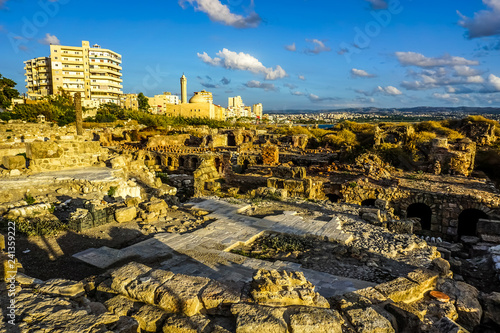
(295, 55)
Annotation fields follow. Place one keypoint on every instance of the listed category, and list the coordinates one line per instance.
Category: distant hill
(416, 110)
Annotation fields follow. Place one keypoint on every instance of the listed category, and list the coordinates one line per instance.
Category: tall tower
(184, 95)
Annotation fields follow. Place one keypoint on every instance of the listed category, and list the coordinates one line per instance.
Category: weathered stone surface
(467, 303)
(143, 288)
(126, 274)
(314, 320)
(369, 321)
(216, 295)
(127, 214)
(62, 287)
(182, 324)
(401, 290)
(181, 294)
(275, 288)
(257, 318)
(408, 320)
(425, 278)
(150, 318)
(446, 325)
(159, 207)
(122, 306)
(491, 307)
(442, 266)
(14, 162)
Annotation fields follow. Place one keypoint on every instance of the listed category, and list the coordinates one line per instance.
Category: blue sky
(295, 54)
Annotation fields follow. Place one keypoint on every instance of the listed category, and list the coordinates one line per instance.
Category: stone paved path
(205, 252)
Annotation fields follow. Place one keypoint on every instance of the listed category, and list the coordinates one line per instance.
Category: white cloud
(291, 48)
(302, 77)
(49, 39)
(360, 73)
(466, 71)
(290, 86)
(378, 4)
(389, 91)
(219, 12)
(319, 46)
(494, 82)
(261, 85)
(446, 97)
(419, 60)
(484, 23)
(242, 61)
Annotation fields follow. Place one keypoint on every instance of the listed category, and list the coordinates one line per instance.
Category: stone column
(79, 113)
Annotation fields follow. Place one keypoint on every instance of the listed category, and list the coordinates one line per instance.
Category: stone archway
(421, 211)
(181, 162)
(333, 197)
(467, 221)
(169, 161)
(158, 160)
(231, 140)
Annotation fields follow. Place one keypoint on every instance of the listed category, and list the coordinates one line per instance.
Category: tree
(143, 102)
(7, 92)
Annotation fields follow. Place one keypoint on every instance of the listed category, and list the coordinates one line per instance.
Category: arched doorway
(218, 164)
(194, 162)
(158, 160)
(231, 140)
(333, 197)
(169, 161)
(421, 211)
(467, 221)
(244, 168)
(181, 162)
(368, 203)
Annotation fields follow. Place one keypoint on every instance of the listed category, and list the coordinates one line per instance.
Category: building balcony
(72, 61)
(75, 69)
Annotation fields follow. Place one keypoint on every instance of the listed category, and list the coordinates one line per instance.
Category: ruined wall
(60, 154)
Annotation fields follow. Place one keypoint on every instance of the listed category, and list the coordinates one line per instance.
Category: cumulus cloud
(291, 48)
(219, 12)
(261, 85)
(302, 77)
(378, 4)
(316, 99)
(466, 71)
(319, 46)
(494, 82)
(360, 73)
(419, 60)
(446, 97)
(290, 86)
(484, 23)
(389, 91)
(49, 39)
(459, 77)
(242, 61)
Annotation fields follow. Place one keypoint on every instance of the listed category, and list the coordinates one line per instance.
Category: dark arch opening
(158, 160)
(194, 163)
(244, 168)
(218, 164)
(421, 211)
(333, 197)
(181, 161)
(169, 161)
(231, 140)
(368, 203)
(146, 158)
(467, 221)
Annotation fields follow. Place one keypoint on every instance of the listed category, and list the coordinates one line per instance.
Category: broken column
(79, 113)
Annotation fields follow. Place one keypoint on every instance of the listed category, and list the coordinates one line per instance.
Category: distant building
(129, 101)
(237, 109)
(92, 71)
(199, 106)
(258, 110)
(158, 103)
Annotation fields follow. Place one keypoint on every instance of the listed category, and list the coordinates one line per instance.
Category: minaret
(184, 95)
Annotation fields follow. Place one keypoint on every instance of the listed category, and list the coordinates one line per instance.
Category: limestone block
(467, 303)
(446, 325)
(182, 324)
(491, 307)
(126, 274)
(122, 306)
(369, 321)
(181, 294)
(407, 318)
(159, 207)
(126, 214)
(442, 266)
(401, 290)
(62, 287)
(425, 278)
(143, 289)
(314, 320)
(150, 318)
(118, 162)
(256, 318)
(47, 149)
(216, 295)
(14, 162)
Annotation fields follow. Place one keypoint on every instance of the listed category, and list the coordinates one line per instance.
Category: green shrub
(112, 191)
(29, 199)
(40, 227)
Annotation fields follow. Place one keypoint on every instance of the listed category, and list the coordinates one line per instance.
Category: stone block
(446, 325)
(314, 320)
(126, 274)
(256, 318)
(150, 318)
(14, 162)
(425, 278)
(216, 296)
(62, 287)
(127, 214)
(181, 294)
(369, 321)
(183, 324)
(401, 290)
(143, 289)
(159, 207)
(122, 306)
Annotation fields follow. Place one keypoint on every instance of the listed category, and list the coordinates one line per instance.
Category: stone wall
(62, 154)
